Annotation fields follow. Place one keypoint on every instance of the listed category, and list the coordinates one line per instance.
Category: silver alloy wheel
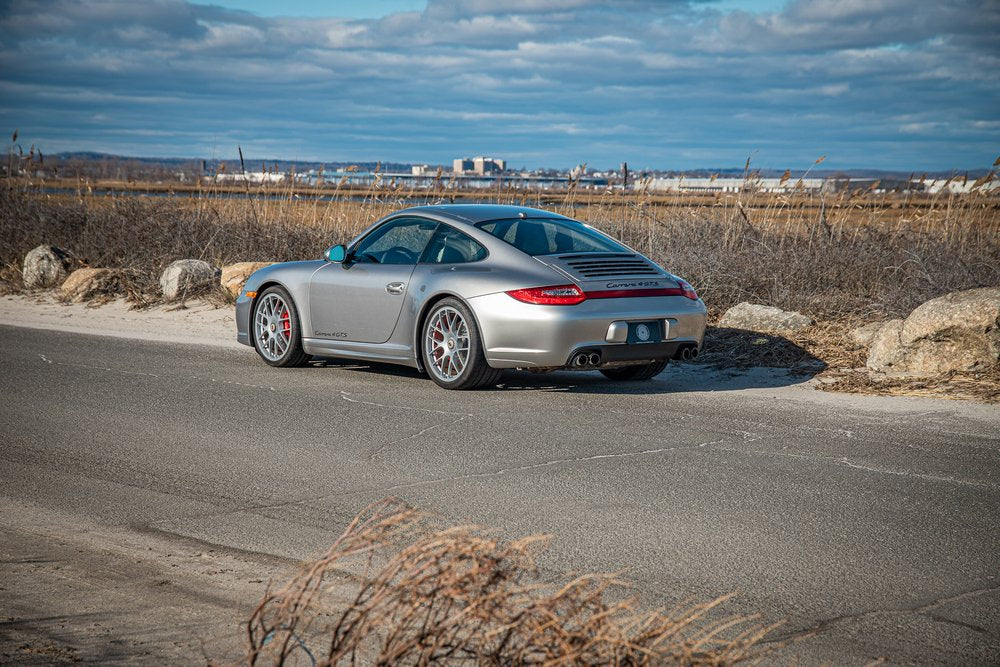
(446, 342)
(273, 326)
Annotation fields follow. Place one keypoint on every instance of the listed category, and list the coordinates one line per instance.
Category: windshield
(550, 236)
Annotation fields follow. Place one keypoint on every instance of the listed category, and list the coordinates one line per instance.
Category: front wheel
(637, 372)
(453, 350)
(277, 335)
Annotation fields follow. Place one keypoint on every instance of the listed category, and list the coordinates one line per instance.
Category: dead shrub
(831, 256)
(425, 594)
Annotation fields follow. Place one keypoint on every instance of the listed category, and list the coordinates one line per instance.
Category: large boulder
(186, 277)
(864, 336)
(956, 332)
(85, 284)
(755, 317)
(47, 266)
(886, 354)
(235, 275)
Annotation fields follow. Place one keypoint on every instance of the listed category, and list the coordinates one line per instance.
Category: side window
(450, 246)
(399, 241)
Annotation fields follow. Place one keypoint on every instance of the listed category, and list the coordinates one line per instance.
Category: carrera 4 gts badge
(335, 334)
(646, 283)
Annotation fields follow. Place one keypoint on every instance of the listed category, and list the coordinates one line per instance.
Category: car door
(359, 300)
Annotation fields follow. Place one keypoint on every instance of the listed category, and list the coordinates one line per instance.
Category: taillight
(688, 290)
(557, 295)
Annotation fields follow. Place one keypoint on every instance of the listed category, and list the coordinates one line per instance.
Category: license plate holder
(641, 333)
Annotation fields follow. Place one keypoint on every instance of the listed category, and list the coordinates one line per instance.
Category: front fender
(292, 276)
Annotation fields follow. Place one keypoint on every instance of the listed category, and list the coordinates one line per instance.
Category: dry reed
(845, 258)
(422, 593)
(851, 254)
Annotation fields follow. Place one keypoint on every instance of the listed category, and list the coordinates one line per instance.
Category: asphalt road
(873, 521)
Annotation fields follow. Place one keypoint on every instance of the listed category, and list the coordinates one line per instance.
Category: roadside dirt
(193, 322)
(76, 592)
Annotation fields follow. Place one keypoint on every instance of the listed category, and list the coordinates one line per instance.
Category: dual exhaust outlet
(585, 359)
(592, 359)
(687, 353)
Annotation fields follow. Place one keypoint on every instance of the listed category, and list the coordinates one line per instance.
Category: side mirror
(335, 254)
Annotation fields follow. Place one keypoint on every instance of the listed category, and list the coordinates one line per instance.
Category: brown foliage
(856, 255)
(455, 595)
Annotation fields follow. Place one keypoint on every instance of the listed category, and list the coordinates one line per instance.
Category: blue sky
(890, 84)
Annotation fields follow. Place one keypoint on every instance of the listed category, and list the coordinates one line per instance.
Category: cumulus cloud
(542, 82)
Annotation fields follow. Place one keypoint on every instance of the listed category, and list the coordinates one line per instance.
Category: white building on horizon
(479, 165)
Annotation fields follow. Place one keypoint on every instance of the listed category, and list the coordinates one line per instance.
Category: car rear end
(603, 310)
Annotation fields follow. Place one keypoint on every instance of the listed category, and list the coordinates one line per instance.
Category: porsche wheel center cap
(451, 343)
(272, 327)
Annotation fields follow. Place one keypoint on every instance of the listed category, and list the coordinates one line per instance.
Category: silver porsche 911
(462, 292)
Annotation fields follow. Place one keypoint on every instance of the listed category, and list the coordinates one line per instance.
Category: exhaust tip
(594, 359)
(580, 360)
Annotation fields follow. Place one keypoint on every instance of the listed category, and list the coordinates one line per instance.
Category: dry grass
(845, 259)
(832, 256)
(984, 387)
(422, 593)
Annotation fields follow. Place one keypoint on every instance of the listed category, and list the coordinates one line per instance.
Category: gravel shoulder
(78, 591)
(194, 322)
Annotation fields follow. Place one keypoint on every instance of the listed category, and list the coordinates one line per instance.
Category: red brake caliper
(438, 337)
(286, 323)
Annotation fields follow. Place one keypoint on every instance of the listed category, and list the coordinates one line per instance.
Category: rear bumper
(522, 335)
(625, 354)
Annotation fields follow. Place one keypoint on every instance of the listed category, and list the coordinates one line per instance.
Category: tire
(449, 330)
(638, 372)
(274, 325)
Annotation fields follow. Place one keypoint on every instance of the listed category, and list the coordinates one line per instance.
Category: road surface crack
(108, 369)
(843, 461)
(462, 416)
(544, 464)
(922, 609)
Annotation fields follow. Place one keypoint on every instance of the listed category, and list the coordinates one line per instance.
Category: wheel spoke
(447, 343)
(273, 327)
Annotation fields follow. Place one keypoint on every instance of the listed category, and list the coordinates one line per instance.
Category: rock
(84, 284)
(235, 275)
(47, 266)
(885, 353)
(956, 332)
(756, 317)
(863, 336)
(186, 277)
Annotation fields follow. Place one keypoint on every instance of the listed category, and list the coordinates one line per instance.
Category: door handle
(395, 288)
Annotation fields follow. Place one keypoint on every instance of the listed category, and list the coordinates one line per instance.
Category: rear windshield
(550, 236)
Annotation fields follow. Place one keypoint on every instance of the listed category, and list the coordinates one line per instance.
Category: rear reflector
(570, 295)
(629, 293)
(684, 290)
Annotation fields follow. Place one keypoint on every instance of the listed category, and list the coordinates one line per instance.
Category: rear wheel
(452, 348)
(637, 372)
(277, 335)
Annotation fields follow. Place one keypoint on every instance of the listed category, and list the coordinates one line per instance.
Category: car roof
(474, 213)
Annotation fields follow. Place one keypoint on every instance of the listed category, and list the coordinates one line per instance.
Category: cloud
(546, 82)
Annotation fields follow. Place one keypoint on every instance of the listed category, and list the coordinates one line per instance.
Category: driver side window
(399, 241)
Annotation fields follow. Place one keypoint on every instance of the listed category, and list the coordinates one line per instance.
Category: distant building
(421, 170)
(682, 184)
(955, 185)
(481, 166)
(250, 177)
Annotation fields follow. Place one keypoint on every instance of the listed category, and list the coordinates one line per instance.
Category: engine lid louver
(610, 265)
